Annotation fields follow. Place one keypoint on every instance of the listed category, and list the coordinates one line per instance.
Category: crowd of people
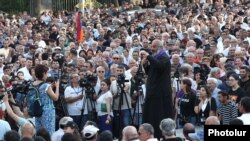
(157, 71)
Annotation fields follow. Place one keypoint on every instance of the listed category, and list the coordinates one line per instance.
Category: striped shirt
(228, 112)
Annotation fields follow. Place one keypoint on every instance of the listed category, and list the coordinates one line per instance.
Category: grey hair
(215, 81)
(214, 70)
(148, 128)
(158, 43)
(190, 54)
(188, 66)
(167, 127)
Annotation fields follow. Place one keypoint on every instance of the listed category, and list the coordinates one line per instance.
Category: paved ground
(179, 131)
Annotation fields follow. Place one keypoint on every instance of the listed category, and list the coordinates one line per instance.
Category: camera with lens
(121, 79)
(139, 79)
(59, 58)
(88, 83)
(88, 80)
(21, 88)
(176, 74)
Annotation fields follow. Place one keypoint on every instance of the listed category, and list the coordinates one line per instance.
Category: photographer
(137, 92)
(89, 83)
(74, 97)
(54, 70)
(122, 101)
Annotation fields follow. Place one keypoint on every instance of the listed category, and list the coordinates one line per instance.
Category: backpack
(34, 105)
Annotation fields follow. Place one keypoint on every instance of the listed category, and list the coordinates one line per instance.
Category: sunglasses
(100, 71)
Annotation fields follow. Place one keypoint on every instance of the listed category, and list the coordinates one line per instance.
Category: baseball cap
(63, 121)
(57, 48)
(89, 131)
(197, 136)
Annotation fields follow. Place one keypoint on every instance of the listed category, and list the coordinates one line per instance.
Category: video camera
(88, 83)
(121, 79)
(176, 74)
(21, 88)
(59, 58)
(139, 78)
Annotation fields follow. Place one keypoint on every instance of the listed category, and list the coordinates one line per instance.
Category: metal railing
(16, 6)
(64, 4)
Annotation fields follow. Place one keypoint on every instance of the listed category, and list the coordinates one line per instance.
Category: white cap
(57, 48)
(89, 131)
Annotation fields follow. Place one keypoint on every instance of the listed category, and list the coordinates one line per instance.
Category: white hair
(214, 80)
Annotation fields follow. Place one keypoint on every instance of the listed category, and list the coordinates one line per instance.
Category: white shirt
(245, 118)
(1, 69)
(225, 52)
(4, 127)
(56, 136)
(46, 19)
(26, 73)
(128, 74)
(41, 44)
(75, 108)
(102, 100)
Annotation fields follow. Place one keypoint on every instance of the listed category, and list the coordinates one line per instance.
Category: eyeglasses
(115, 58)
(100, 71)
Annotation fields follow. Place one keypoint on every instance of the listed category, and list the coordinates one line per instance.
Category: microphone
(8, 87)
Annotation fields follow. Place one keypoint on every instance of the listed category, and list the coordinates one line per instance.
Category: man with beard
(158, 88)
(245, 81)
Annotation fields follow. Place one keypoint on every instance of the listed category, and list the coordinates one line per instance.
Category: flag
(78, 26)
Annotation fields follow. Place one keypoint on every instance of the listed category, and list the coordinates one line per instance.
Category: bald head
(28, 130)
(212, 120)
(128, 133)
(188, 128)
(156, 45)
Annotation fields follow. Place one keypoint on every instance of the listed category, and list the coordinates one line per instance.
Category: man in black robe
(158, 101)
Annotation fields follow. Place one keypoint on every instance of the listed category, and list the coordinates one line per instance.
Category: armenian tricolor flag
(78, 26)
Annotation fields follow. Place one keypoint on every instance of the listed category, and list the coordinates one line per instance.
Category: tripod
(61, 109)
(137, 105)
(89, 92)
(177, 113)
(122, 95)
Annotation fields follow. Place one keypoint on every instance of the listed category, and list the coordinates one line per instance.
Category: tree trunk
(116, 2)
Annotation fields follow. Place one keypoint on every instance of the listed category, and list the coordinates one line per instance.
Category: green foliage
(14, 6)
(97, 4)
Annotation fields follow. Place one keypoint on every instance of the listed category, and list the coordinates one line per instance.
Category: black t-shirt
(187, 104)
(236, 95)
(246, 86)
